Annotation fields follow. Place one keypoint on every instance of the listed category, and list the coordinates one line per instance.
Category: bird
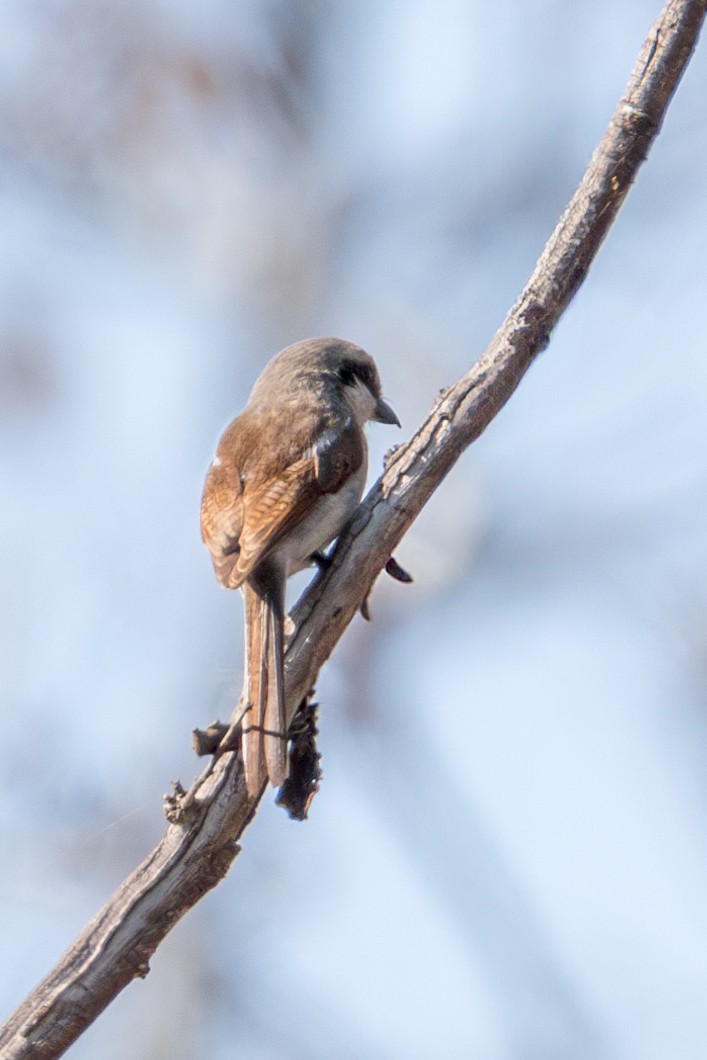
(287, 475)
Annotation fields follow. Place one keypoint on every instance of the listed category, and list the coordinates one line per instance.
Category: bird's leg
(321, 560)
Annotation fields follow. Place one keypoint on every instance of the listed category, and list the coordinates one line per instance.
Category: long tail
(264, 724)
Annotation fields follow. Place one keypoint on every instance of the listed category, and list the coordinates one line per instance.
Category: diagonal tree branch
(200, 843)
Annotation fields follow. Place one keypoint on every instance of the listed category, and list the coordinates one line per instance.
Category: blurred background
(508, 856)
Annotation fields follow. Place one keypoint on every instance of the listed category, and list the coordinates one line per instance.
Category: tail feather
(264, 724)
(275, 737)
(255, 677)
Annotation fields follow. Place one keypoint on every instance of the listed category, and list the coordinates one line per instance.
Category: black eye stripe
(346, 374)
(350, 371)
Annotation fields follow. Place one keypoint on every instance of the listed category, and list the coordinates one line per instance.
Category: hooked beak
(384, 414)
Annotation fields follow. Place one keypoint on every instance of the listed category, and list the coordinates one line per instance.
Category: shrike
(287, 475)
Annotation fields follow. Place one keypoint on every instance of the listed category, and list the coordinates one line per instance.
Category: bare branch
(205, 823)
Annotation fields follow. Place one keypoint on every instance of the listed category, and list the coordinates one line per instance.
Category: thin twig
(201, 841)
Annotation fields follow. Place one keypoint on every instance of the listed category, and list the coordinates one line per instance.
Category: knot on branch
(635, 120)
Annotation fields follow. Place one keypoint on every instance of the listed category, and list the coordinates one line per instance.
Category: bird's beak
(384, 414)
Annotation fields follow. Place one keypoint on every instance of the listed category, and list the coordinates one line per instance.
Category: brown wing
(279, 504)
(245, 513)
(272, 508)
(222, 519)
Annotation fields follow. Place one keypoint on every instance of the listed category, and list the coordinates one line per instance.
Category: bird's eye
(351, 372)
(347, 373)
(365, 374)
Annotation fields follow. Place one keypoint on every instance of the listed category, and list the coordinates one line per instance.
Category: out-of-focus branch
(205, 823)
